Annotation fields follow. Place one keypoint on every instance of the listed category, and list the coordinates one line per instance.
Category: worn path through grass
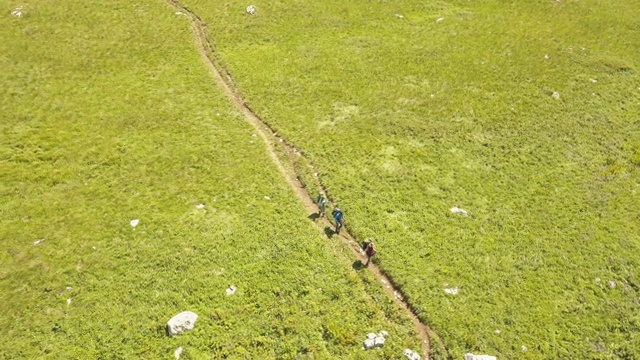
(272, 139)
(107, 116)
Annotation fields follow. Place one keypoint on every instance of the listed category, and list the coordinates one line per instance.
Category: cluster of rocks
(375, 341)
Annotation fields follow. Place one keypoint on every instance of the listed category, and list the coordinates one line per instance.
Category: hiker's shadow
(357, 265)
(314, 216)
(328, 231)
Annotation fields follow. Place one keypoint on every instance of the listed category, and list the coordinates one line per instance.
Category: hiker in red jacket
(369, 250)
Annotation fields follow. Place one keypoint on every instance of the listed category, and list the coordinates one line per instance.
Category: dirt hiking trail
(273, 140)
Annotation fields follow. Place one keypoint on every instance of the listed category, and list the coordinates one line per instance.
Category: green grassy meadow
(108, 114)
(409, 108)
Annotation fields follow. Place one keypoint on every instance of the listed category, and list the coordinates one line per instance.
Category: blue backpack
(337, 214)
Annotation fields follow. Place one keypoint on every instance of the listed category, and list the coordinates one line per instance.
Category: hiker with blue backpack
(338, 216)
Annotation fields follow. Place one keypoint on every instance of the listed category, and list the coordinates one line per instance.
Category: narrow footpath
(272, 139)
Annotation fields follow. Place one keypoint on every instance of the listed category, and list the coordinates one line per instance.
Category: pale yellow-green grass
(409, 108)
(108, 115)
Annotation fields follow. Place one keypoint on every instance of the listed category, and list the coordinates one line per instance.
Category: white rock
(182, 322)
(368, 344)
(546, 56)
(598, 280)
(439, 19)
(383, 334)
(593, 80)
(497, 332)
(134, 223)
(267, 198)
(556, 95)
(179, 13)
(612, 284)
(68, 301)
(200, 206)
(371, 336)
(231, 290)
(524, 348)
(452, 291)
(37, 242)
(400, 16)
(251, 10)
(411, 355)
(378, 341)
(178, 352)
(17, 12)
(457, 210)
(470, 356)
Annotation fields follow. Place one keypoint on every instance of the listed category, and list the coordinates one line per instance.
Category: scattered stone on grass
(17, 12)
(232, 290)
(37, 242)
(178, 352)
(469, 356)
(375, 341)
(200, 206)
(440, 19)
(411, 355)
(453, 291)
(546, 56)
(598, 280)
(555, 95)
(179, 13)
(267, 198)
(524, 348)
(251, 10)
(497, 332)
(400, 16)
(68, 301)
(368, 344)
(593, 80)
(457, 210)
(134, 223)
(612, 284)
(182, 322)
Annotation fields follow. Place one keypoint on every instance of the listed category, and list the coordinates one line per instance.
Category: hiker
(338, 216)
(322, 205)
(369, 250)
